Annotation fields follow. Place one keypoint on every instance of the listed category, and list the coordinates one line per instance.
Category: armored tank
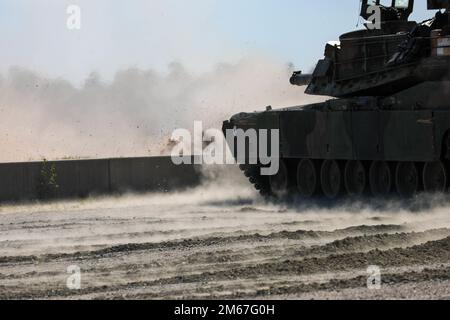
(385, 128)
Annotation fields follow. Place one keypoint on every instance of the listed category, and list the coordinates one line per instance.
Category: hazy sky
(117, 34)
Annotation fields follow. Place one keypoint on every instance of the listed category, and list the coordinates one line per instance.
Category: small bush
(47, 182)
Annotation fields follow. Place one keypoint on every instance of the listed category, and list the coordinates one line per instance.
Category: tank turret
(390, 55)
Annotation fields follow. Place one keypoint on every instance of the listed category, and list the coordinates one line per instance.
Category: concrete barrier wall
(81, 178)
(18, 181)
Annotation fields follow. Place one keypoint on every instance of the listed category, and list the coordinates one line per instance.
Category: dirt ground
(223, 241)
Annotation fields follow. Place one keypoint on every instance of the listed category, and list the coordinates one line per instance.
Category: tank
(385, 128)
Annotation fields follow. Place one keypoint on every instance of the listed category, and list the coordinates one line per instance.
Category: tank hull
(398, 135)
(362, 135)
(365, 130)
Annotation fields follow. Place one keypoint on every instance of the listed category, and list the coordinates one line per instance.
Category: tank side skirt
(364, 135)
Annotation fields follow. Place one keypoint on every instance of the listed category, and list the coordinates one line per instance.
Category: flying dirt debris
(388, 128)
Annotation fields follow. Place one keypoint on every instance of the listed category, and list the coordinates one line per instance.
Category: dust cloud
(135, 113)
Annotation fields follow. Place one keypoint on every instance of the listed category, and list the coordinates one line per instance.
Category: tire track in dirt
(203, 242)
(200, 244)
(430, 252)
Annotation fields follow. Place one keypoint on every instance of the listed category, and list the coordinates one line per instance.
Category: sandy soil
(223, 241)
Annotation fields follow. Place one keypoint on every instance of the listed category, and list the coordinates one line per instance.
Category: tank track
(260, 183)
(429, 177)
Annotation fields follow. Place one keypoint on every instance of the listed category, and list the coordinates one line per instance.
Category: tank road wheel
(407, 179)
(261, 183)
(435, 177)
(279, 183)
(307, 178)
(331, 179)
(355, 178)
(380, 177)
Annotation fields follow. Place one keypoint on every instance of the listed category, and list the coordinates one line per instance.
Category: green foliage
(47, 181)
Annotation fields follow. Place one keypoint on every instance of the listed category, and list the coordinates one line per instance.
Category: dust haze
(135, 113)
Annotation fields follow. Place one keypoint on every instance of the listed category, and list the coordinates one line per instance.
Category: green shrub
(47, 182)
